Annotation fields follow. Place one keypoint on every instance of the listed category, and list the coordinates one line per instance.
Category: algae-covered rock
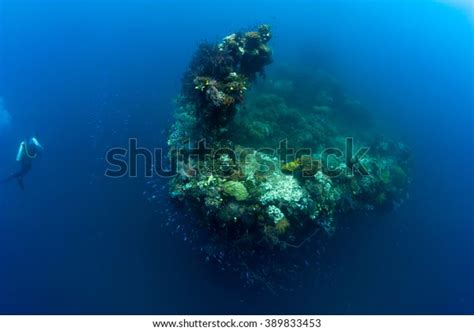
(237, 190)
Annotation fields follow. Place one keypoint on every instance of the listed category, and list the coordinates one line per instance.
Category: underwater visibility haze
(320, 157)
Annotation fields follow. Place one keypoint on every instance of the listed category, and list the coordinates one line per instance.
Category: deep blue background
(87, 75)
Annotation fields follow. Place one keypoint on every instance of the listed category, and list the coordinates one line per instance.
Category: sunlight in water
(467, 6)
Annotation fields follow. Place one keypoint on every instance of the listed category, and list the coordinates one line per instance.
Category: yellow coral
(292, 166)
(237, 190)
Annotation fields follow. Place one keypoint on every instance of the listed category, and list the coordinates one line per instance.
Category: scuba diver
(29, 150)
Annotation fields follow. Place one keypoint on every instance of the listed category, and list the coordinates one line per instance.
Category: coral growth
(219, 75)
(236, 190)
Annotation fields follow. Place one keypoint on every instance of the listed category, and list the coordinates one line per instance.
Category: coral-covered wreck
(267, 164)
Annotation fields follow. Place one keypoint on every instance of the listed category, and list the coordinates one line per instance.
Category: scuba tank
(29, 148)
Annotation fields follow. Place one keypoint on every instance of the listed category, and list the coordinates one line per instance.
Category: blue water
(87, 75)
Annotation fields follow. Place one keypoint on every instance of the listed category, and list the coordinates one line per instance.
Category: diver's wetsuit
(29, 150)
